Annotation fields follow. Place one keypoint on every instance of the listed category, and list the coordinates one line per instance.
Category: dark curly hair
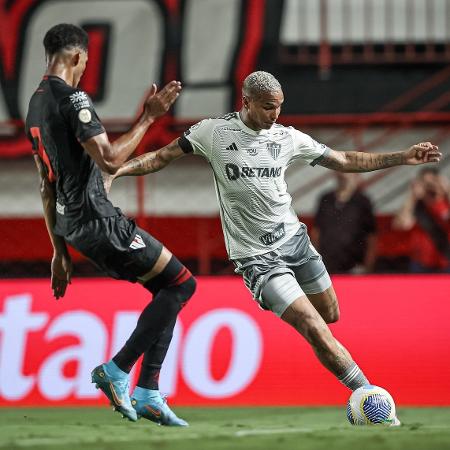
(65, 36)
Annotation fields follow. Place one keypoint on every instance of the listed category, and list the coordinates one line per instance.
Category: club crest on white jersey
(274, 149)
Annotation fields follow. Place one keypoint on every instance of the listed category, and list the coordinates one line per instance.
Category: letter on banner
(16, 322)
(92, 335)
(245, 355)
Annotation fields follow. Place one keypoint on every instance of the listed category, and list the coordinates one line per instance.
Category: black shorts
(117, 246)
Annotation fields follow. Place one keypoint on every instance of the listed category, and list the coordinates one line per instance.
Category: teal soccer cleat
(116, 389)
(155, 408)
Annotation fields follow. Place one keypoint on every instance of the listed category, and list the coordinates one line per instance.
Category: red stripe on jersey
(36, 133)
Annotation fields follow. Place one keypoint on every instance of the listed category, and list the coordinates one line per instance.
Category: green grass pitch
(220, 428)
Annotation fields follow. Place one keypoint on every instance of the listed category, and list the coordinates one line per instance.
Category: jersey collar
(249, 130)
(53, 77)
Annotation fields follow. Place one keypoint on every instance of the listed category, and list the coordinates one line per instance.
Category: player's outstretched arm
(110, 156)
(422, 153)
(61, 262)
(147, 163)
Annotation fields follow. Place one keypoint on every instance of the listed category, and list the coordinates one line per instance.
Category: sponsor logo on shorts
(137, 242)
(274, 236)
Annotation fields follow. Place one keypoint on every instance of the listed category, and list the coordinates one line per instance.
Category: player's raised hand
(158, 103)
(422, 153)
(61, 274)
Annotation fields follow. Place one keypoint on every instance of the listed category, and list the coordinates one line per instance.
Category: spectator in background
(344, 227)
(426, 212)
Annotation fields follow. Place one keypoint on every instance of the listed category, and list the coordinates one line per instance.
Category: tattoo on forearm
(391, 159)
(141, 165)
(151, 162)
(361, 161)
(331, 163)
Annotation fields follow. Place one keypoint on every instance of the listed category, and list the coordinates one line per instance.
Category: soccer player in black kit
(71, 148)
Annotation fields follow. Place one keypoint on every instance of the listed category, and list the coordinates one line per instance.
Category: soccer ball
(371, 405)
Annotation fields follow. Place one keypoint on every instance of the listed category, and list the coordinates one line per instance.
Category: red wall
(226, 351)
(187, 237)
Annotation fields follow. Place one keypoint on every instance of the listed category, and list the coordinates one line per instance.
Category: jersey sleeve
(307, 148)
(198, 139)
(79, 113)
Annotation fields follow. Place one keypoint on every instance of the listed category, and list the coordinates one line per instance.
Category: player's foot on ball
(152, 406)
(117, 389)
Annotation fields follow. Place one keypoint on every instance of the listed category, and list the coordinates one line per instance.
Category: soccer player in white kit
(249, 154)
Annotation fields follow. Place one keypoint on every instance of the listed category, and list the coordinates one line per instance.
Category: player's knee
(330, 313)
(175, 279)
(332, 316)
(185, 290)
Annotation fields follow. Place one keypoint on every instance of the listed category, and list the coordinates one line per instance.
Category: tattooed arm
(146, 163)
(152, 161)
(422, 153)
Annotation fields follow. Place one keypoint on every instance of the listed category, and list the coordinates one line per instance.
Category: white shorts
(279, 277)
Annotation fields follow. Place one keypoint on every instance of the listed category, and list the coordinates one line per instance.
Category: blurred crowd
(345, 226)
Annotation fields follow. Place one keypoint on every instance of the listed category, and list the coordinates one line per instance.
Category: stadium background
(372, 75)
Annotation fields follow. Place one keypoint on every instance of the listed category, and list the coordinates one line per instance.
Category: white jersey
(249, 168)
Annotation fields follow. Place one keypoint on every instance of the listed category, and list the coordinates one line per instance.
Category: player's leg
(173, 280)
(315, 281)
(134, 255)
(176, 285)
(112, 377)
(302, 258)
(318, 287)
(283, 295)
(153, 360)
(151, 337)
(146, 398)
(326, 304)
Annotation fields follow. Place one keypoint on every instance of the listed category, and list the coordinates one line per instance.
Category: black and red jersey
(59, 119)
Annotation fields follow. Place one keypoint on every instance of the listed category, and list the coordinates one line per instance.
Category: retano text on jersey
(234, 172)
